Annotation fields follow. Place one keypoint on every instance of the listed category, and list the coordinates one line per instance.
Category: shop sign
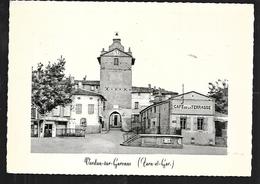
(167, 140)
(191, 107)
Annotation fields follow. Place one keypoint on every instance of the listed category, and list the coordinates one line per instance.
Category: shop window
(78, 108)
(200, 122)
(115, 61)
(183, 122)
(136, 105)
(90, 108)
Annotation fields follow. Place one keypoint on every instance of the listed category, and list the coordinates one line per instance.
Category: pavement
(110, 143)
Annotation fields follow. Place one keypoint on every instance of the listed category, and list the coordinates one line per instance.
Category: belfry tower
(116, 84)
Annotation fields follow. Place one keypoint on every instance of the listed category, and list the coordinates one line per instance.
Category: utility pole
(182, 94)
(159, 130)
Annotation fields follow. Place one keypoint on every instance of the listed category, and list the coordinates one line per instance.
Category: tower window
(136, 105)
(115, 61)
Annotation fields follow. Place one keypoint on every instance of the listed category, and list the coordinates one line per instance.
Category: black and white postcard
(130, 88)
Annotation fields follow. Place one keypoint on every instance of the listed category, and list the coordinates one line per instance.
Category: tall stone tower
(116, 84)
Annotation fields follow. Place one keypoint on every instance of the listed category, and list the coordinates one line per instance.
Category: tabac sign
(192, 103)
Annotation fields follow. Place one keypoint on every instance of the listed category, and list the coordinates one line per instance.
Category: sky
(173, 43)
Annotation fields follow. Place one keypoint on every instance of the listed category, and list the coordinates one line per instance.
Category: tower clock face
(116, 52)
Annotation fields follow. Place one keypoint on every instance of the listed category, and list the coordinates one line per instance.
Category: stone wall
(93, 129)
(199, 137)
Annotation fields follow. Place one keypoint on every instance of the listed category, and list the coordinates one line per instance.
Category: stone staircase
(132, 141)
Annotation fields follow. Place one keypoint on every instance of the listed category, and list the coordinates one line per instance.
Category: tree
(50, 87)
(219, 91)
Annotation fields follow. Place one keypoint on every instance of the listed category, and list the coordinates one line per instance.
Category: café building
(190, 115)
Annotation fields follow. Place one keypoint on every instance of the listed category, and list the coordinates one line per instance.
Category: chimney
(103, 51)
(129, 51)
(85, 77)
(160, 91)
(80, 84)
(149, 86)
(72, 79)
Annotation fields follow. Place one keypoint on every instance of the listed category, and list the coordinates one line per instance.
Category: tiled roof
(165, 92)
(87, 93)
(134, 88)
(141, 90)
(89, 82)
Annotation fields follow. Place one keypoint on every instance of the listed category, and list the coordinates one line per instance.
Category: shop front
(193, 113)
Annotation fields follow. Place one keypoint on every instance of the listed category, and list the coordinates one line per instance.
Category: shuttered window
(188, 123)
(205, 124)
(194, 123)
(56, 111)
(200, 122)
(183, 121)
(90, 108)
(78, 108)
(67, 110)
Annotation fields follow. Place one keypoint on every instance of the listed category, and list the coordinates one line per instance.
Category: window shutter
(61, 111)
(195, 126)
(188, 127)
(56, 111)
(67, 110)
(205, 124)
(178, 122)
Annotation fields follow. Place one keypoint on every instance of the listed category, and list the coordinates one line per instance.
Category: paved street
(110, 143)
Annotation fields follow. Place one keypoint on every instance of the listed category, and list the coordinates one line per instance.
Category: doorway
(115, 120)
(48, 130)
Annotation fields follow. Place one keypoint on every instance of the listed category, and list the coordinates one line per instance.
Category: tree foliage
(50, 87)
(219, 91)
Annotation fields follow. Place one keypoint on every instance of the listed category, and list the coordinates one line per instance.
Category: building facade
(113, 101)
(116, 84)
(86, 111)
(83, 115)
(190, 115)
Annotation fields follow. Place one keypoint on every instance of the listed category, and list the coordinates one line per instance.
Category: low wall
(198, 137)
(91, 129)
(161, 140)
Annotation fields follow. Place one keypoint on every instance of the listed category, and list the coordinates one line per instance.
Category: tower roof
(116, 43)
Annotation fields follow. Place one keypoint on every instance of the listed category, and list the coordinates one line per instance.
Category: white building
(84, 113)
(86, 110)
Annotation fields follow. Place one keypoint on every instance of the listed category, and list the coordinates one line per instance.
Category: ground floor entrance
(48, 130)
(115, 120)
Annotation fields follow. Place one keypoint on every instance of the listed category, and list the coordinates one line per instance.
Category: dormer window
(115, 61)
